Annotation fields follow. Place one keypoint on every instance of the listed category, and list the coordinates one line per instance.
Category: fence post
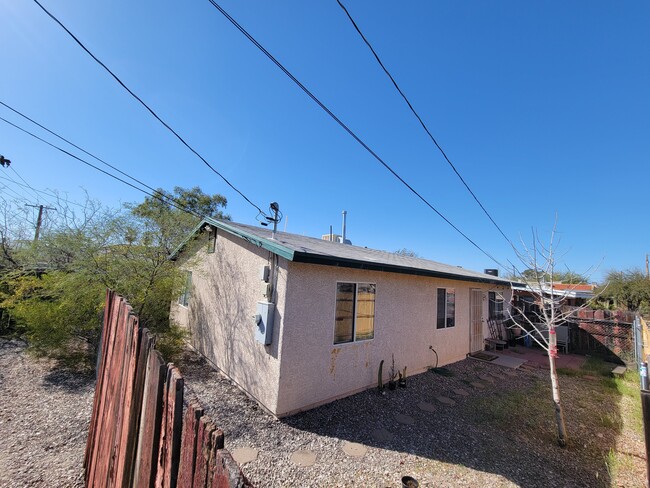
(645, 408)
(638, 342)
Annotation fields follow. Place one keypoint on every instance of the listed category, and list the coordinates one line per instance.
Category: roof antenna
(275, 208)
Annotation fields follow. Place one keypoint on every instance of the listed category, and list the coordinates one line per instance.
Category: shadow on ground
(507, 427)
(68, 379)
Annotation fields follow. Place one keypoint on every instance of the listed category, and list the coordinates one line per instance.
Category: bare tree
(550, 311)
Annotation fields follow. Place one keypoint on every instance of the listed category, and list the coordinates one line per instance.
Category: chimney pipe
(345, 213)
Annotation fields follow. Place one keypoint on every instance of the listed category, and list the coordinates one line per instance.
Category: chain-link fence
(602, 333)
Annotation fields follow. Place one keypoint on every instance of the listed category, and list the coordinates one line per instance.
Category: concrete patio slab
(538, 357)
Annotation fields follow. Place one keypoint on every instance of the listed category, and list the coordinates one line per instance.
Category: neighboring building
(297, 321)
(526, 296)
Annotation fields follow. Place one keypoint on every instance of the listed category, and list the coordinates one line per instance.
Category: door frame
(476, 333)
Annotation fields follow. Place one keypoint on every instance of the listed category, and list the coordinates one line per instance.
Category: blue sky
(542, 106)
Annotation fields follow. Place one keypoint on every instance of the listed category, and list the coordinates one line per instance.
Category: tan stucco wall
(315, 371)
(226, 287)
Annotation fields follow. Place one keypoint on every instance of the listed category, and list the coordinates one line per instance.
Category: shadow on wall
(222, 327)
(483, 431)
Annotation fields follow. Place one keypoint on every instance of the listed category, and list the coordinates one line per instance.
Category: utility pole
(39, 220)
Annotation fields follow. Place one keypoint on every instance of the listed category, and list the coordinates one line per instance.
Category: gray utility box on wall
(264, 322)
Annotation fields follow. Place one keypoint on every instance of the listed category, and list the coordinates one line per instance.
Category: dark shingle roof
(305, 249)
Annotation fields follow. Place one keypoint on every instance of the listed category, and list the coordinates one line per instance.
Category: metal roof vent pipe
(345, 213)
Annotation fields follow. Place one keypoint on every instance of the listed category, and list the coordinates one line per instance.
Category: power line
(417, 116)
(24, 194)
(153, 190)
(149, 109)
(157, 195)
(17, 196)
(97, 158)
(49, 194)
(28, 185)
(344, 126)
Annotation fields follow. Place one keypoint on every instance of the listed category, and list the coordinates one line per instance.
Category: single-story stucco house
(297, 321)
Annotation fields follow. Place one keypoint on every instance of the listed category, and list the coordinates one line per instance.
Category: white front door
(476, 339)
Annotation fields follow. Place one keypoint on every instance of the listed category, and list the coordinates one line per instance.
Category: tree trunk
(555, 388)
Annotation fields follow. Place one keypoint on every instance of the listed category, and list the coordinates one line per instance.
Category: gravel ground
(44, 417)
(451, 446)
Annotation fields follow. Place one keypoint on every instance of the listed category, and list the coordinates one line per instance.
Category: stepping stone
(426, 407)
(304, 458)
(354, 449)
(243, 455)
(498, 376)
(591, 378)
(445, 400)
(461, 392)
(404, 419)
(510, 372)
(487, 378)
(382, 435)
(478, 385)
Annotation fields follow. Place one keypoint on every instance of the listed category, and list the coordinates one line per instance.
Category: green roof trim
(267, 244)
(310, 250)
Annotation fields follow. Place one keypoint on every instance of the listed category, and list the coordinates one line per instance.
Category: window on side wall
(495, 305)
(355, 312)
(184, 298)
(212, 239)
(446, 314)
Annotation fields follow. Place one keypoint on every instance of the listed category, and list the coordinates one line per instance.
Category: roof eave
(308, 258)
(268, 244)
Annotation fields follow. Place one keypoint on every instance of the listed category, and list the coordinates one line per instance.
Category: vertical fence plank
(203, 450)
(145, 345)
(150, 420)
(123, 430)
(170, 433)
(115, 400)
(104, 342)
(187, 465)
(225, 473)
(99, 475)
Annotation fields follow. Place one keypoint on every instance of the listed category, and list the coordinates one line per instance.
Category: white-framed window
(355, 312)
(186, 292)
(446, 313)
(495, 305)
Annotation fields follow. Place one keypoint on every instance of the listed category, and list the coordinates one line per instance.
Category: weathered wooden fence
(138, 433)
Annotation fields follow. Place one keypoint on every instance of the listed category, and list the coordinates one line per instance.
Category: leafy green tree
(160, 222)
(628, 289)
(57, 292)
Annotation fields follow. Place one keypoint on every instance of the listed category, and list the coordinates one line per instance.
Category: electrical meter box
(264, 322)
